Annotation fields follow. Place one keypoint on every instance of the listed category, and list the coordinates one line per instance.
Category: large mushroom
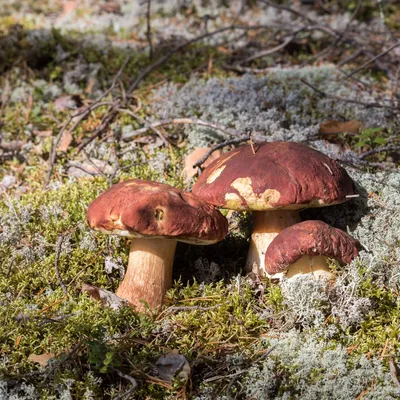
(303, 248)
(274, 180)
(155, 216)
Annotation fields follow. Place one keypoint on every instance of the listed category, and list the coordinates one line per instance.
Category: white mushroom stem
(315, 265)
(266, 226)
(149, 272)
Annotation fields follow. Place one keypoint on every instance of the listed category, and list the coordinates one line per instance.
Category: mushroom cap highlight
(145, 209)
(311, 238)
(277, 175)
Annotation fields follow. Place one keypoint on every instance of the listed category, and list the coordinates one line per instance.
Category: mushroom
(302, 248)
(155, 216)
(274, 180)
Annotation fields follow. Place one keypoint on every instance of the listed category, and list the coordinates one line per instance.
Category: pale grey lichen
(205, 271)
(279, 105)
(111, 263)
(21, 391)
(307, 300)
(303, 366)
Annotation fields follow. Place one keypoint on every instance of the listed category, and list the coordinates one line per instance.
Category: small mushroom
(274, 180)
(155, 216)
(302, 248)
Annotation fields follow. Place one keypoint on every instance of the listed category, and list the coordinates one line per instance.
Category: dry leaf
(172, 364)
(14, 145)
(69, 7)
(111, 7)
(43, 133)
(195, 156)
(90, 85)
(65, 141)
(85, 169)
(333, 127)
(42, 359)
(105, 297)
(67, 102)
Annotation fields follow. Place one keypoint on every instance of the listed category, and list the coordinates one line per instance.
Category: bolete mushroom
(155, 216)
(274, 180)
(302, 248)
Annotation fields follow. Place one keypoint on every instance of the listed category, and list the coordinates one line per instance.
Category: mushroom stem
(267, 225)
(149, 272)
(316, 265)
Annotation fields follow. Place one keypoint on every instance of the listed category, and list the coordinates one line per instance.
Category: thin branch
(247, 70)
(378, 150)
(267, 52)
(58, 252)
(167, 56)
(82, 114)
(180, 121)
(115, 79)
(219, 377)
(351, 57)
(148, 32)
(147, 124)
(190, 308)
(393, 372)
(57, 319)
(131, 380)
(10, 264)
(393, 46)
(219, 146)
(330, 96)
(78, 165)
(288, 9)
(107, 119)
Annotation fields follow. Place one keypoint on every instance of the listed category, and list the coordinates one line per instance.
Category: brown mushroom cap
(137, 208)
(284, 175)
(311, 238)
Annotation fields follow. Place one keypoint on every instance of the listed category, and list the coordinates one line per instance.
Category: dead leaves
(42, 359)
(68, 102)
(92, 167)
(333, 127)
(105, 297)
(196, 155)
(65, 141)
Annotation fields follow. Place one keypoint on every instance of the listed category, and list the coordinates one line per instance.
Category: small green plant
(370, 138)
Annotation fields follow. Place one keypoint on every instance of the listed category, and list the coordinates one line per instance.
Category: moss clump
(89, 342)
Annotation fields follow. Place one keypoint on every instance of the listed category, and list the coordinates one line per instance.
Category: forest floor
(96, 92)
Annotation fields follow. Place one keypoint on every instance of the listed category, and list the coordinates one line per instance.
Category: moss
(38, 318)
(223, 323)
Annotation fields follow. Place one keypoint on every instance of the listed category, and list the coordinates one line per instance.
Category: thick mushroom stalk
(303, 248)
(149, 272)
(155, 217)
(266, 226)
(273, 180)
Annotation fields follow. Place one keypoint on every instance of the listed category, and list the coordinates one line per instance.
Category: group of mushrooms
(273, 180)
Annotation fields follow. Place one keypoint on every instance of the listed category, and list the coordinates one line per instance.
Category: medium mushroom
(274, 180)
(302, 248)
(155, 216)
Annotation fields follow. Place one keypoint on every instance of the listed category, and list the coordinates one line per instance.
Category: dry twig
(393, 372)
(378, 150)
(331, 96)
(393, 46)
(180, 121)
(147, 124)
(131, 380)
(219, 146)
(148, 32)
